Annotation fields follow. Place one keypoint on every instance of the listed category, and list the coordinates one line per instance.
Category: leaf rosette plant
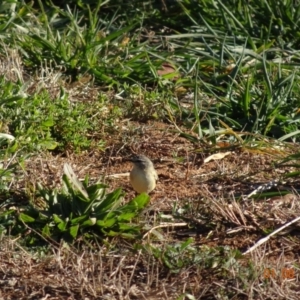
(79, 208)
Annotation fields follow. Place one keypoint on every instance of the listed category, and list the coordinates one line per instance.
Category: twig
(165, 225)
(260, 242)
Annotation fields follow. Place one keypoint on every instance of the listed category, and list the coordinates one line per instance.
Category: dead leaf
(216, 156)
(167, 69)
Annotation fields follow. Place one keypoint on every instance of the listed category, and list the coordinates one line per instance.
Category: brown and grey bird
(143, 176)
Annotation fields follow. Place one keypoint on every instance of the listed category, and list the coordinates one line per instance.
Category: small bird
(143, 176)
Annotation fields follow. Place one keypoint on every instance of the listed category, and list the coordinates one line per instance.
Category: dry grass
(211, 198)
(114, 270)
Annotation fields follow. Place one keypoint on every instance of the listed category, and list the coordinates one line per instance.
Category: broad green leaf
(46, 231)
(107, 223)
(185, 244)
(79, 220)
(111, 233)
(126, 216)
(127, 227)
(26, 218)
(49, 144)
(61, 224)
(111, 201)
(96, 191)
(89, 223)
(57, 219)
(48, 123)
(73, 231)
(138, 202)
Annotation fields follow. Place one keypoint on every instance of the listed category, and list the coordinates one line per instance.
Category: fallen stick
(265, 239)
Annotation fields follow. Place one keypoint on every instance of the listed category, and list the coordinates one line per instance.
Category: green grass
(72, 74)
(251, 76)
